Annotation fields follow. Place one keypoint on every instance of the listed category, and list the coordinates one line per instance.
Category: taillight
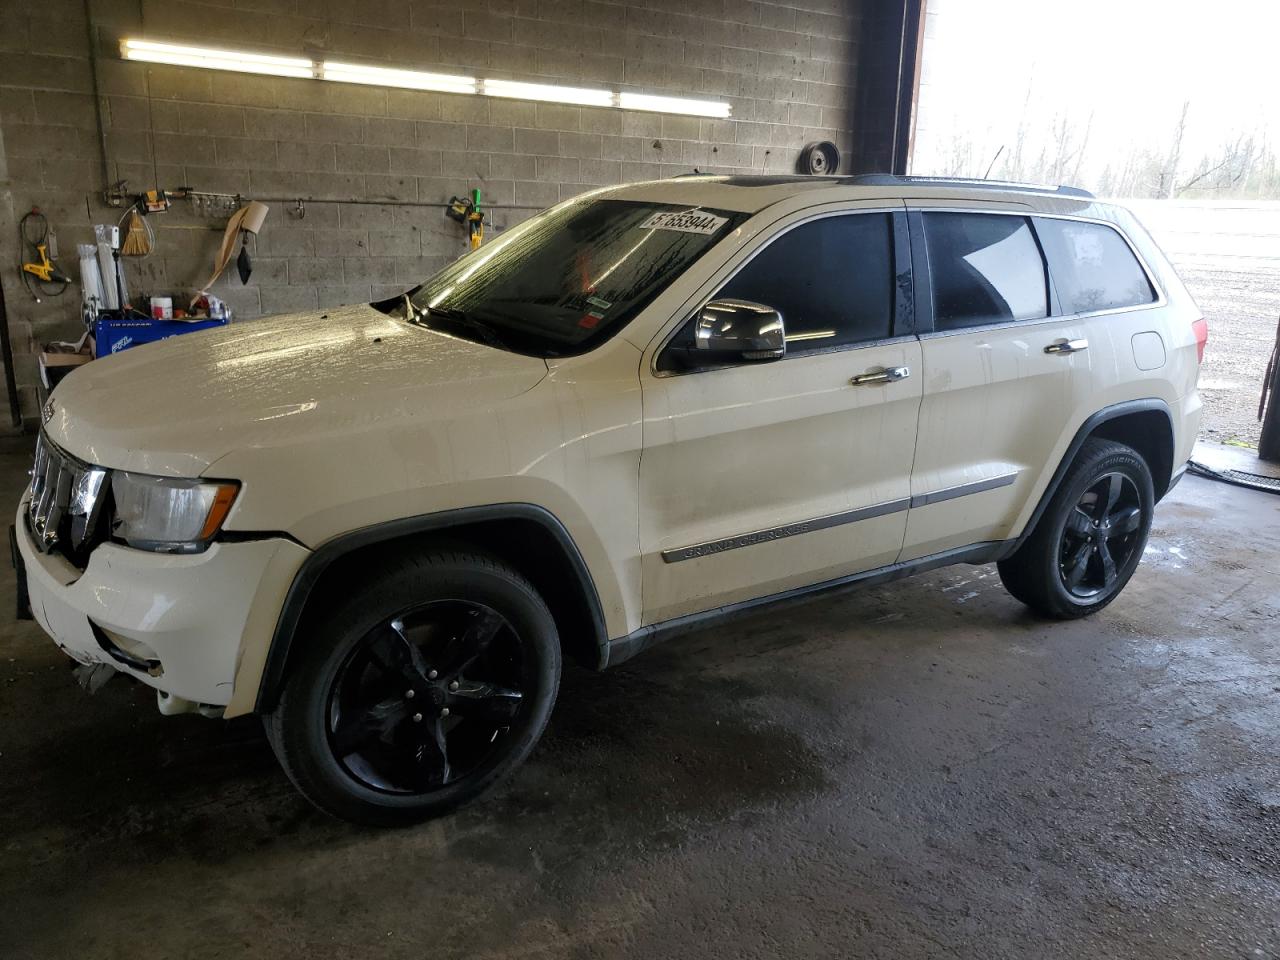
(1201, 328)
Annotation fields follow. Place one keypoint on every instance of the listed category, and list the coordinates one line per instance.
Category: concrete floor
(915, 770)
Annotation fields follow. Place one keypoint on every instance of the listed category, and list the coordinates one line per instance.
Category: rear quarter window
(1093, 267)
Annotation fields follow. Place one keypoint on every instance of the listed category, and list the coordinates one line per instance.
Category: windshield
(568, 279)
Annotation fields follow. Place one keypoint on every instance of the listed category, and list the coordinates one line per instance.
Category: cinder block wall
(788, 69)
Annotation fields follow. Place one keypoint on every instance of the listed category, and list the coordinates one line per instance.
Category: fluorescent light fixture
(548, 92)
(655, 104)
(386, 77)
(214, 59)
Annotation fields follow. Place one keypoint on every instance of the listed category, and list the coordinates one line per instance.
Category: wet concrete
(915, 770)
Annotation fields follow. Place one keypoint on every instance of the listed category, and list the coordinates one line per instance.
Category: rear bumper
(176, 622)
(1187, 414)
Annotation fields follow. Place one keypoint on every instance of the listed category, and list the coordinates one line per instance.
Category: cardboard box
(59, 358)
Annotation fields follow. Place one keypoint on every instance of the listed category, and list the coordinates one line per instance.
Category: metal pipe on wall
(92, 32)
(6, 356)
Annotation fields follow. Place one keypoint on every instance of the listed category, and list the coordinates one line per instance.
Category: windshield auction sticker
(687, 221)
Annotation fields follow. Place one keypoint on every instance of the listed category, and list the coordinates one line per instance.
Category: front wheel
(1090, 539)
(429, 682)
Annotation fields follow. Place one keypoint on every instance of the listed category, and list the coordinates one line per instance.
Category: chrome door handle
(887, 375)
(1067, 346)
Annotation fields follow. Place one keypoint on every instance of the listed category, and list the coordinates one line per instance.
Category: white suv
(646, 408)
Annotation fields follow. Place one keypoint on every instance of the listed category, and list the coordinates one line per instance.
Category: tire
(820, 159)
(373, 732)
(1090, 539)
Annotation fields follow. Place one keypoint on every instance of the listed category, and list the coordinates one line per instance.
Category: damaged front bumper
(176, 622)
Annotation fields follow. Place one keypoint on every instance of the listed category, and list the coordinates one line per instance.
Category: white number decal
(690, 221)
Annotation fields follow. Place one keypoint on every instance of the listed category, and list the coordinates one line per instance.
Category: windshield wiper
(412, 313)
(487, 333)
(420, 315)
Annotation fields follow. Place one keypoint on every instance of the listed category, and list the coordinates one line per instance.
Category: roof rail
(893, 180)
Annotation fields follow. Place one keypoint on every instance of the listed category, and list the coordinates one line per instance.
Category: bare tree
(1169, 171)
(1227, 169)
(1055, 148)
(1080, 151)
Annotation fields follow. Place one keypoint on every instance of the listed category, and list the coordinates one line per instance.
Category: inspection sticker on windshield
(688, 221)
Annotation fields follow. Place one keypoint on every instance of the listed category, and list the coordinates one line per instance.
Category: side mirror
(739, 330)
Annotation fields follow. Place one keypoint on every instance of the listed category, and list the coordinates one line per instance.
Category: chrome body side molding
(964, 489)
(712, 547)
(787, 530)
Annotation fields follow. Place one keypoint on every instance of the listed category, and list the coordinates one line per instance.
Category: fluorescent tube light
(655, 104)
(238, 60)
(548, 92)
(386, 77)
(213, 59)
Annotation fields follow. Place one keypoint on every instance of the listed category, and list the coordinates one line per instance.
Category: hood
(174, 407)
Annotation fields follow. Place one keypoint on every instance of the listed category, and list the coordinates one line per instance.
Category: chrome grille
(66, 500)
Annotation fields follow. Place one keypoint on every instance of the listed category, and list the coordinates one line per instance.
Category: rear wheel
(420, 690)
(1090, 539)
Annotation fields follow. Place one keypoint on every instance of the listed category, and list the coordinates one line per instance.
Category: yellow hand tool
(468, 212)
(46, 269)
(51, 281)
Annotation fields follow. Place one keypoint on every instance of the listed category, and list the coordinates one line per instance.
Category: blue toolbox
(113, 334)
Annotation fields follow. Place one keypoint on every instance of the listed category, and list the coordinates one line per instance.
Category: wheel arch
(1145, 425)
(526, 536)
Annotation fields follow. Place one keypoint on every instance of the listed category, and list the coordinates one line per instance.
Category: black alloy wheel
(1089, 539)
(426, 698)
(429, 678)
(1100, 536)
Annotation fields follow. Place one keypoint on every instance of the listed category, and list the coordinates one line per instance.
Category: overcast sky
(1132, 63)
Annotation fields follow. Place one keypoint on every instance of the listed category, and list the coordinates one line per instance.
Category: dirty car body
(646, 408)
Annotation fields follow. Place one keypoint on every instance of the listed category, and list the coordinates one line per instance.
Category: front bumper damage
(176, 622)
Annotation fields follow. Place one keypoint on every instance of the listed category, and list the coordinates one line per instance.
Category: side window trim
(1053, 306)
(903, 323)
(922, 279)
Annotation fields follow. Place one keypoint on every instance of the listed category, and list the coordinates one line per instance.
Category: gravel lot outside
(1228, 254)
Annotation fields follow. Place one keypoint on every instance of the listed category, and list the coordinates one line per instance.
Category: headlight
(169, 516)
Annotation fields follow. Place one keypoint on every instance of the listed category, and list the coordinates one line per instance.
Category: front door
(760, 476)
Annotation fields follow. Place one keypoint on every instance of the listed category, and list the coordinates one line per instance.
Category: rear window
(1092, 266)
(986, 268)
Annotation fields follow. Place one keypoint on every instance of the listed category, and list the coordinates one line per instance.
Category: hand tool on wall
(38, 239)
(468, 211)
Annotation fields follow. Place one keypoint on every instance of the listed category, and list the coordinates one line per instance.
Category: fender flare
(304, 582)
(1151, 404)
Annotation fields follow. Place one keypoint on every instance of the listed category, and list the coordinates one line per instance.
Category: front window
(831, 279)
(568, 279)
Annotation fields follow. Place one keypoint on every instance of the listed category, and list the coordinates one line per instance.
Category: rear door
(1004, 375)
(1099, 278)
